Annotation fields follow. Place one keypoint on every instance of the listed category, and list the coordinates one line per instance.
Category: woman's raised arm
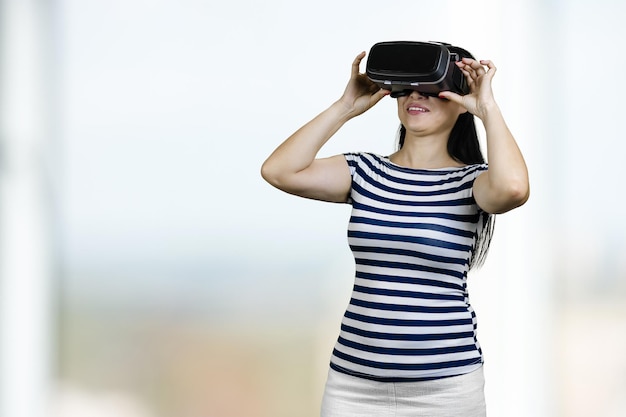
(293, 166)
(504, 186)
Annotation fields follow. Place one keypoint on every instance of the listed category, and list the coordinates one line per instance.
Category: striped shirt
(411, 232)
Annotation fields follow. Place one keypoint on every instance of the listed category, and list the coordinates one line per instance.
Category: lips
(414, 109)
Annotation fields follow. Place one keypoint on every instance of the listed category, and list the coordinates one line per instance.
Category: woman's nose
(417, 94)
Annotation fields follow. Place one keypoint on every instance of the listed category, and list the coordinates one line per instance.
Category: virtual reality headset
(427, 67)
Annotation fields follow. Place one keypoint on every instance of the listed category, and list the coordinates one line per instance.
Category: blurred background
(146, 270)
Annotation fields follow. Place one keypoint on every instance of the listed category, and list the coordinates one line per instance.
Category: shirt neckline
(388, 161)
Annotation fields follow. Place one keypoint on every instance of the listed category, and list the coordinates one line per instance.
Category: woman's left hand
(478, 75)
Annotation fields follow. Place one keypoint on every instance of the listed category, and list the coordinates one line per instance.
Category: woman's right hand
(361, 93)
(293, 166)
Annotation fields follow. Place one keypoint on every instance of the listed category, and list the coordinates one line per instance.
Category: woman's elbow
(515, 195)
(277, 176)
(265, 171)
(520, 192)
(270, 174)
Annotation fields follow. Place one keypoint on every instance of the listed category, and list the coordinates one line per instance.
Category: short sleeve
(481, 168)
(352, 160)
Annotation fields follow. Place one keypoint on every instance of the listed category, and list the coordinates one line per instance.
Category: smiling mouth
(416, 109)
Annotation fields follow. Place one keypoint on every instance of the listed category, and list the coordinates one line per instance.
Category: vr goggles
(427, 67)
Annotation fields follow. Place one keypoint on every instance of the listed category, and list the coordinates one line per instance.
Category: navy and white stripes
(411, 233)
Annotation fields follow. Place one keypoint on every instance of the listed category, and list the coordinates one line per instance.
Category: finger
(477, 70)
(473, 73)
(449, 95)
(475, 67)
(379, 95)
(469, 76)
(491, 68)
(468, 70)
(488, 63)
(467, 61)
(373, 88)
(470, 63)
(356, 64)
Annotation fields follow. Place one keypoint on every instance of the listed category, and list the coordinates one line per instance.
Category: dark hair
(463, 145)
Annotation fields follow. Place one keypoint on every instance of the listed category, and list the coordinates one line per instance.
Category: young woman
(421, 218)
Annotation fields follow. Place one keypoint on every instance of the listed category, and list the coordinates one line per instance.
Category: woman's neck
(424, 153)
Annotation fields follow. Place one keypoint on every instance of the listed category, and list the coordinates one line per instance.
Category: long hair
(463, 145)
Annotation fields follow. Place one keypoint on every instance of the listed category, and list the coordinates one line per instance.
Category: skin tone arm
(504, 186)
(293, 166)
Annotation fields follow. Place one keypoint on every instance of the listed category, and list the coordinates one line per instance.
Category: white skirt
(351, 396)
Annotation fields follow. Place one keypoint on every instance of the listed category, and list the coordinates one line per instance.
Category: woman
(421, 218)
